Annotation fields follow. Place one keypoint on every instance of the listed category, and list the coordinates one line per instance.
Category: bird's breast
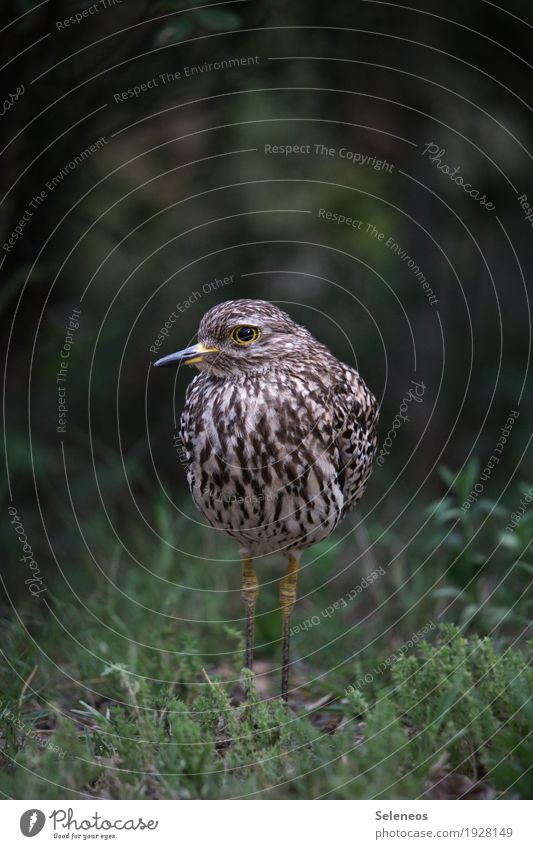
(263, 460)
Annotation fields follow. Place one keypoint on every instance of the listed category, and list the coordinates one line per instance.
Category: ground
(416, 685)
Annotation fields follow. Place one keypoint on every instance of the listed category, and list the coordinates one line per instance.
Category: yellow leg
(287, 597)
(250, 592)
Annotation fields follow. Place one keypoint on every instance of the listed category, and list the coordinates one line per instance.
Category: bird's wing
(356, 417)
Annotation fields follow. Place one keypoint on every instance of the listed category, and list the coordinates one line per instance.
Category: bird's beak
(189, 356)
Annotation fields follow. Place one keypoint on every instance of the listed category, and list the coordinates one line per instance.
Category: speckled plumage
(279, 436)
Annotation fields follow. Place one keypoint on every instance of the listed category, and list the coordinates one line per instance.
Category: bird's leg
(250, 592)
(287, 596)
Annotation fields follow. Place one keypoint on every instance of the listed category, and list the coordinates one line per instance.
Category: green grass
(130, 685)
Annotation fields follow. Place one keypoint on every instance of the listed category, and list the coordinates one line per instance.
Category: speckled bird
(279, 437)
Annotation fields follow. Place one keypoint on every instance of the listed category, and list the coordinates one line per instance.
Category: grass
(417, 685)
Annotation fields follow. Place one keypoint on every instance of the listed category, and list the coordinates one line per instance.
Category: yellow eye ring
(245, 334)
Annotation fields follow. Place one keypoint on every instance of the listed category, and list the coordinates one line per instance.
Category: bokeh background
(179, 194)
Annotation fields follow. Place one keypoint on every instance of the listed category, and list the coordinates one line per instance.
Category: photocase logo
(32, 822)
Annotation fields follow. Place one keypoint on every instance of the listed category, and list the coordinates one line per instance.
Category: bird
(279, 437)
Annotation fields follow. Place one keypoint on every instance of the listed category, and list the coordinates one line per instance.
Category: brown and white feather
(279, 445)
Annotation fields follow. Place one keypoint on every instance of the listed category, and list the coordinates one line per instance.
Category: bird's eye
(243, 334)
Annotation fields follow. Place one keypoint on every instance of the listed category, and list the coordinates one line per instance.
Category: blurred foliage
(120, 217)
(126, 235)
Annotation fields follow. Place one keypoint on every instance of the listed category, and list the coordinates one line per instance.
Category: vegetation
(122, 702)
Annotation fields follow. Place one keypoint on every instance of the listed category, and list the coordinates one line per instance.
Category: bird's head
(244, 335)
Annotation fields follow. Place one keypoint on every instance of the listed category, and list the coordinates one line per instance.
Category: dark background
(169, 203)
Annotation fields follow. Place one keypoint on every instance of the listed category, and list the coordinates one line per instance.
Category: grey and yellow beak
(189, 356)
